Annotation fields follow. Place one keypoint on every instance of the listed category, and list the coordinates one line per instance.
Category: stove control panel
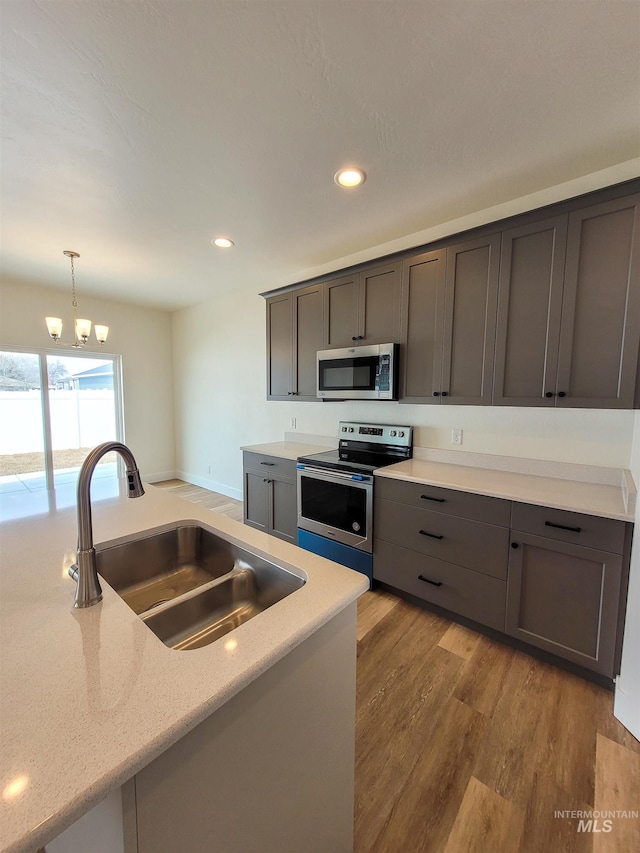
(390, 434)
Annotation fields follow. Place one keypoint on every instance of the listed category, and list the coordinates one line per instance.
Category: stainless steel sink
(189, 585)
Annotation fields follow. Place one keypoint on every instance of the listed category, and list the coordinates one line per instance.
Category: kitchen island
(94, 704)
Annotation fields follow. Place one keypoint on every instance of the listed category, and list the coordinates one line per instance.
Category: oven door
(336, 505)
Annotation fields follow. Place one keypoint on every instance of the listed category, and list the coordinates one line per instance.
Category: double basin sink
(190, 586)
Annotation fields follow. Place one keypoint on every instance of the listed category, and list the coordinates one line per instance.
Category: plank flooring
(211, 500)
(464, 745)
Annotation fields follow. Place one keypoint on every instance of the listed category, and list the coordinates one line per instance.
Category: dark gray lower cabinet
(552, 579)
(471, 594)
(429, 543)
(564, 598)
(270, 495)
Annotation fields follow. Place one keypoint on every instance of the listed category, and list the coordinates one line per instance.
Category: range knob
(350, 429)
(393, 432)
(401, 433)
(344, 429)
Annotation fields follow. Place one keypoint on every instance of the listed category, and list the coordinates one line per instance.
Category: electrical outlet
(456, 436)
(292, 423)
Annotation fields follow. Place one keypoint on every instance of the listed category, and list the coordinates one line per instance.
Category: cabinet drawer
(450, 501)
(478, 546)
(460, 590)
(591, 531)
(270, 464)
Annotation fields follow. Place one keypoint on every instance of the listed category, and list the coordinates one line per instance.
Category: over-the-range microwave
(358, 373)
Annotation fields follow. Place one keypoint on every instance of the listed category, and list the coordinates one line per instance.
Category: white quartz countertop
(89, 697)
(286, 449)
(593, 498)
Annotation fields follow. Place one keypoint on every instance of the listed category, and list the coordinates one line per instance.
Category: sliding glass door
(54, 407)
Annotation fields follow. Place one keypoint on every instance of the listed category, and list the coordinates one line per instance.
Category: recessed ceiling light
(222, 242)
(350, 177)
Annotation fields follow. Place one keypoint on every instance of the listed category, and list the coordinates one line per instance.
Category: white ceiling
(133, 132)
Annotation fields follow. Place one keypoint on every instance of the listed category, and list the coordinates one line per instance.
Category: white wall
(142, 336)
(627, 701)
(220, 357)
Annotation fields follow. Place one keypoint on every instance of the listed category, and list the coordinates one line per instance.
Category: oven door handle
(339, 475)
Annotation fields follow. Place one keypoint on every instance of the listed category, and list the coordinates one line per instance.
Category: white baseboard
(212, 485)
(160, 477)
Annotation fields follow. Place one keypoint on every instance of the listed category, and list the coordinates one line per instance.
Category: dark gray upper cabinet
(544, 312)
(423, 284)
(449, 319)
(308, 337)
(529, 308)
(470, 321)
(279, 347)
(342, 311)
(600, 328)
(569, 310)
(295, 332)
(363, 308)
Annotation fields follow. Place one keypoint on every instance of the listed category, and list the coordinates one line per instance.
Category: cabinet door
(308, 336)
(600, 328)
(564, 598)
(256, 500)
(284, 519)
(380, 305)
(423, 282)
(342, 311)
(279, 347)
(470, 321)
(529, 307)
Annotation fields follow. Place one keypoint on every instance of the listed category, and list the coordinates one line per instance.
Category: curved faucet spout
(88, 590)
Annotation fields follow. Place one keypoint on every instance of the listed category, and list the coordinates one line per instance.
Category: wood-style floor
(464, 745)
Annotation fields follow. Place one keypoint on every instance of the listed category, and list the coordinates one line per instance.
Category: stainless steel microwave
(358, 373)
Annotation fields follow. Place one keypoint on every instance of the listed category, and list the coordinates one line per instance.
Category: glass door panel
(82, 410)
(22, 445)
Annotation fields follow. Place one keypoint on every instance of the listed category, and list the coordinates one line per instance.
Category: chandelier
(82, 328)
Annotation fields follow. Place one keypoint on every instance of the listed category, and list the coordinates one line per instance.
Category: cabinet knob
(514, 545)
(289, 393)
(549, 394)
(354, 338)
(360, 337)
(561, 394)
(445, 393)
(436, 393)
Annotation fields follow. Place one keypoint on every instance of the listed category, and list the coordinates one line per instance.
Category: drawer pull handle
(563, 527)
(429, 498)
(431, 535)
(270, 464)
(426, 580)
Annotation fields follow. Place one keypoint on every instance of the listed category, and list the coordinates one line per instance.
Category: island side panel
(272, 770)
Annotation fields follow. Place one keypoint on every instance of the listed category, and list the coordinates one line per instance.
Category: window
(55, 406)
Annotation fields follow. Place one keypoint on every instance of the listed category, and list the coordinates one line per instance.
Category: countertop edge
(516, 493)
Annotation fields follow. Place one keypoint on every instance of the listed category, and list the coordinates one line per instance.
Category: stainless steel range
(335, 491)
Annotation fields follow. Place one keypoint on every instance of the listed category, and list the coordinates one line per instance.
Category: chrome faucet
(84, 571)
